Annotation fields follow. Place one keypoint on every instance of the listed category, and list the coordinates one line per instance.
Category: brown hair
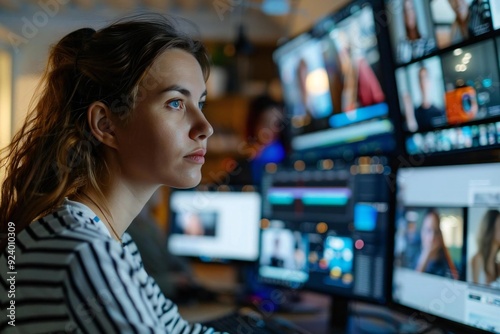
(446, 254)
(485, 237)
(54, 154)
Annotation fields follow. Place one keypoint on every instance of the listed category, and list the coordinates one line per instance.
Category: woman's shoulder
(69, 226)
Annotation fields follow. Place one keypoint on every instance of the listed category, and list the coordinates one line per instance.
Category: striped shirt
(71, 276)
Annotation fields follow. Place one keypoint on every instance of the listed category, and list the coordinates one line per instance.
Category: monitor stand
(339, 313)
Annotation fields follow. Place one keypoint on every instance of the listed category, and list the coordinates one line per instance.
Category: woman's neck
(121, 204)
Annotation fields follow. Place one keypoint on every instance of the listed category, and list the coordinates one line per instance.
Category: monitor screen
(215, 225)
(456, 21)
(333, 87)
(419, 28)
(326, 228)
(446, 75)
(447, 240)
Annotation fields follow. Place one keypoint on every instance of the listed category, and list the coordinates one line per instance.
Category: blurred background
(240, 35)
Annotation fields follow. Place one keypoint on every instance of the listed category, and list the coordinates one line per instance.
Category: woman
(413, 45)
(434, 257)
(119, 115)
(485, 263)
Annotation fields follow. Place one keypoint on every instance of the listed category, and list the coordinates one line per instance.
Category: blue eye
(175, 104)
(201, 105)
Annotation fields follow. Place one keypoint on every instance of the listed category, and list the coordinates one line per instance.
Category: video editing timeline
(326, 230)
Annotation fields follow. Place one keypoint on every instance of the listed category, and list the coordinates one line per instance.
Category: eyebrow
(181, 90)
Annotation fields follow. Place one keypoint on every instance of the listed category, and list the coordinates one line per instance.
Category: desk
(314, 323)
(224, 278)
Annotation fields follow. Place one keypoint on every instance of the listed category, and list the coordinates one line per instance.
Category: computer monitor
(446, 75)
(214, 225)
(326, 228)
(446, 247)
(334, 87)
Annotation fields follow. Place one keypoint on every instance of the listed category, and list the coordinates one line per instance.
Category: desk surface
(223, 278)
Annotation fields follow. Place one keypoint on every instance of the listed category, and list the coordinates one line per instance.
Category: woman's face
(164, 140)
(430, 233)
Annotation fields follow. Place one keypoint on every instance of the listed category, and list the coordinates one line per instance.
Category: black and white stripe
(72, 277)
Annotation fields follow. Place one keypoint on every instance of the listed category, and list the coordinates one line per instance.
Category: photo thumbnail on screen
(456, 21)
(483, 246)
(471, 82)
(421, 95)
(411, 29)
(195, 223)
(305, 82)
(283, 254)
(352, 59)
(455, 88)
(430, 240)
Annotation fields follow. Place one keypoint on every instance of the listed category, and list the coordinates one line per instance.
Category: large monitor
(447, 244)
(326, 228)
(334, 87)
(447, 74)
(215, 225)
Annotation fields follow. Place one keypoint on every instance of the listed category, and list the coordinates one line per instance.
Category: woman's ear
(101, 124)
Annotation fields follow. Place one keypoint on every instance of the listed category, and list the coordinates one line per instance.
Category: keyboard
(252, 323)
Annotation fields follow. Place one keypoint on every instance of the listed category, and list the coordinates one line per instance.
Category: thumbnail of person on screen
(414, 45)
(434, 257)
(427, 115)
(470, 20)
(360, 84)
(485, 264)
(276, 259)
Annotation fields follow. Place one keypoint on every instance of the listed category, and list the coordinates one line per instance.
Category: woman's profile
(119, 114)
(485, 263)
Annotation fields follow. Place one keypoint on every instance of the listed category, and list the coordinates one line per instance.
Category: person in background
(434, 257)
(265, 140)
(485, 264)
(118, 116)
